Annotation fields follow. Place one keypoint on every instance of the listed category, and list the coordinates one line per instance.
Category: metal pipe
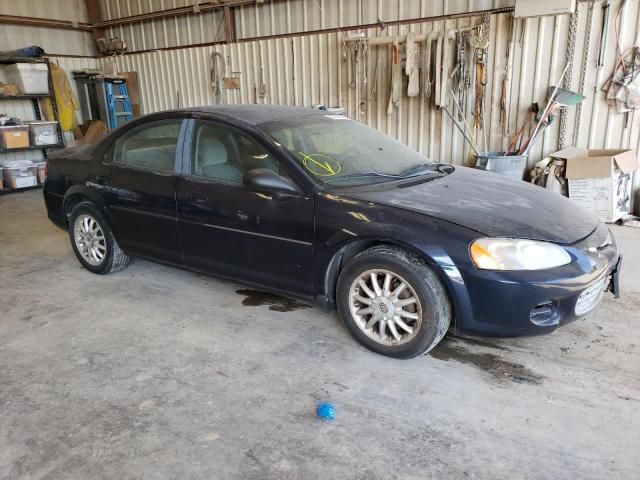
(44, 22)
(464, 120)
(217, 4)
(464, 135)
(175, 12)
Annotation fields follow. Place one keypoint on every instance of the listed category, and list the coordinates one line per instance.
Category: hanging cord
(374, 82)
(571, 46)
(617, 25)
(217, 75)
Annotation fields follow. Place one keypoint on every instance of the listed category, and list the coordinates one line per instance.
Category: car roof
(257, 114)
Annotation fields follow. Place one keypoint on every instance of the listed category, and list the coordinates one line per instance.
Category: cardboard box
(601, 180)
(14, 137)
(9, 89)
(95, 131)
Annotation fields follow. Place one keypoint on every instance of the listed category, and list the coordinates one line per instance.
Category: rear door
(144, 165)
(230, 230)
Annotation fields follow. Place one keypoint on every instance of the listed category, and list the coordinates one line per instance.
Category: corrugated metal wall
(308, 70)
(206, 27)
(54, 41)
(294, 16)
(270, 18)
(70, 10)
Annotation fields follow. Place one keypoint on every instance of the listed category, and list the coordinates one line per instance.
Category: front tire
(93, 242)
(392, 302)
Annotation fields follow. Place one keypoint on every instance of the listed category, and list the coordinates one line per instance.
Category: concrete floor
(158, 373)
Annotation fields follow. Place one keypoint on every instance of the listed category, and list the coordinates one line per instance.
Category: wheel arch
(77, 194)
(352, 248)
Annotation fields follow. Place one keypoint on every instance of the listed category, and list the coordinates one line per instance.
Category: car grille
(589, 298)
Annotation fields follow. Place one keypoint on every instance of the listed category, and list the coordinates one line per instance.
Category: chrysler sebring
(320, 207)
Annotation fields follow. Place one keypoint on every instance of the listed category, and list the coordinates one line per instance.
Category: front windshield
(340, 151)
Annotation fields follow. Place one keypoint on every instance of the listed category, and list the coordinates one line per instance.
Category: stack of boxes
(20, 80)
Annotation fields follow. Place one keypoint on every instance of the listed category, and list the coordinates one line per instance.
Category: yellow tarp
(65, 99)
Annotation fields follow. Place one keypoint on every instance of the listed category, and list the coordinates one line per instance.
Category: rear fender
(82, 193)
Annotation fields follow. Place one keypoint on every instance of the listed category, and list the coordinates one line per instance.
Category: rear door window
(152, 145)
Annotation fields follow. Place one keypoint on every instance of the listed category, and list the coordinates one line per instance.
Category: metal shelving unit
(35, 101)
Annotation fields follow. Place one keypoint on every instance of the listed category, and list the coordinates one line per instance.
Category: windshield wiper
(421, 168)
(417, 169)
(363, 175)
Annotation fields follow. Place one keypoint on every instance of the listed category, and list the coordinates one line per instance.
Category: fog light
(545, 314)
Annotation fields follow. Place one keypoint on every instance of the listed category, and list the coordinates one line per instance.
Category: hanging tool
(411, 67)
(506, 80)
(374, 83)
(606, 6)
(460, 73)
(428, 47)
(364, 66)
(396, 76)
(480, 44)
(438, 81)
(262, 88)
(218, 71)
(443, 86)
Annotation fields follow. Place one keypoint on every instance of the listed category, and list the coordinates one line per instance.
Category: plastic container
(511, 165)
(20, 174)
(31, 78)
(43, 133)
(42, 171)
(16, 136)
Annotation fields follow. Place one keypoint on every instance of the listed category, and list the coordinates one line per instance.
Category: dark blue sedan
(317, 206)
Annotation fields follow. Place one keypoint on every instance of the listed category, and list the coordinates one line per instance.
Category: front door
(144, 165)
(230, 230)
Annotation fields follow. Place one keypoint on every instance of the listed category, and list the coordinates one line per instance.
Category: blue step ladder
(118, 104)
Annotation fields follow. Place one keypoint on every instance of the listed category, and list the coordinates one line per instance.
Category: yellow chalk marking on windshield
(325, 166)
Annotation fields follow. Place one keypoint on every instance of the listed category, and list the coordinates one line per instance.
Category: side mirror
(268, 181)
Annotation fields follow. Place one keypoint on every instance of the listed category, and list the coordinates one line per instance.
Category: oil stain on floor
(256, 298)
(501, 369)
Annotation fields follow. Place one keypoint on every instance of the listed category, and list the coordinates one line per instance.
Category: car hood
(491, 204)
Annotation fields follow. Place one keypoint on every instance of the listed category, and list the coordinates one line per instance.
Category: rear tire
(392, 302)
(93, 242)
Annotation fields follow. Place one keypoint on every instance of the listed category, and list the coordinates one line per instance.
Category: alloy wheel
(385, 307)
(90, 240)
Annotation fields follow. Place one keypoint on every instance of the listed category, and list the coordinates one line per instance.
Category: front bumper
(614, 283)
(536, 302)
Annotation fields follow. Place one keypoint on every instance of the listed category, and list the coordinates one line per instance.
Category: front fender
(347, 227)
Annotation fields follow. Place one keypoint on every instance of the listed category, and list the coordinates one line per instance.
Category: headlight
(517, 254)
